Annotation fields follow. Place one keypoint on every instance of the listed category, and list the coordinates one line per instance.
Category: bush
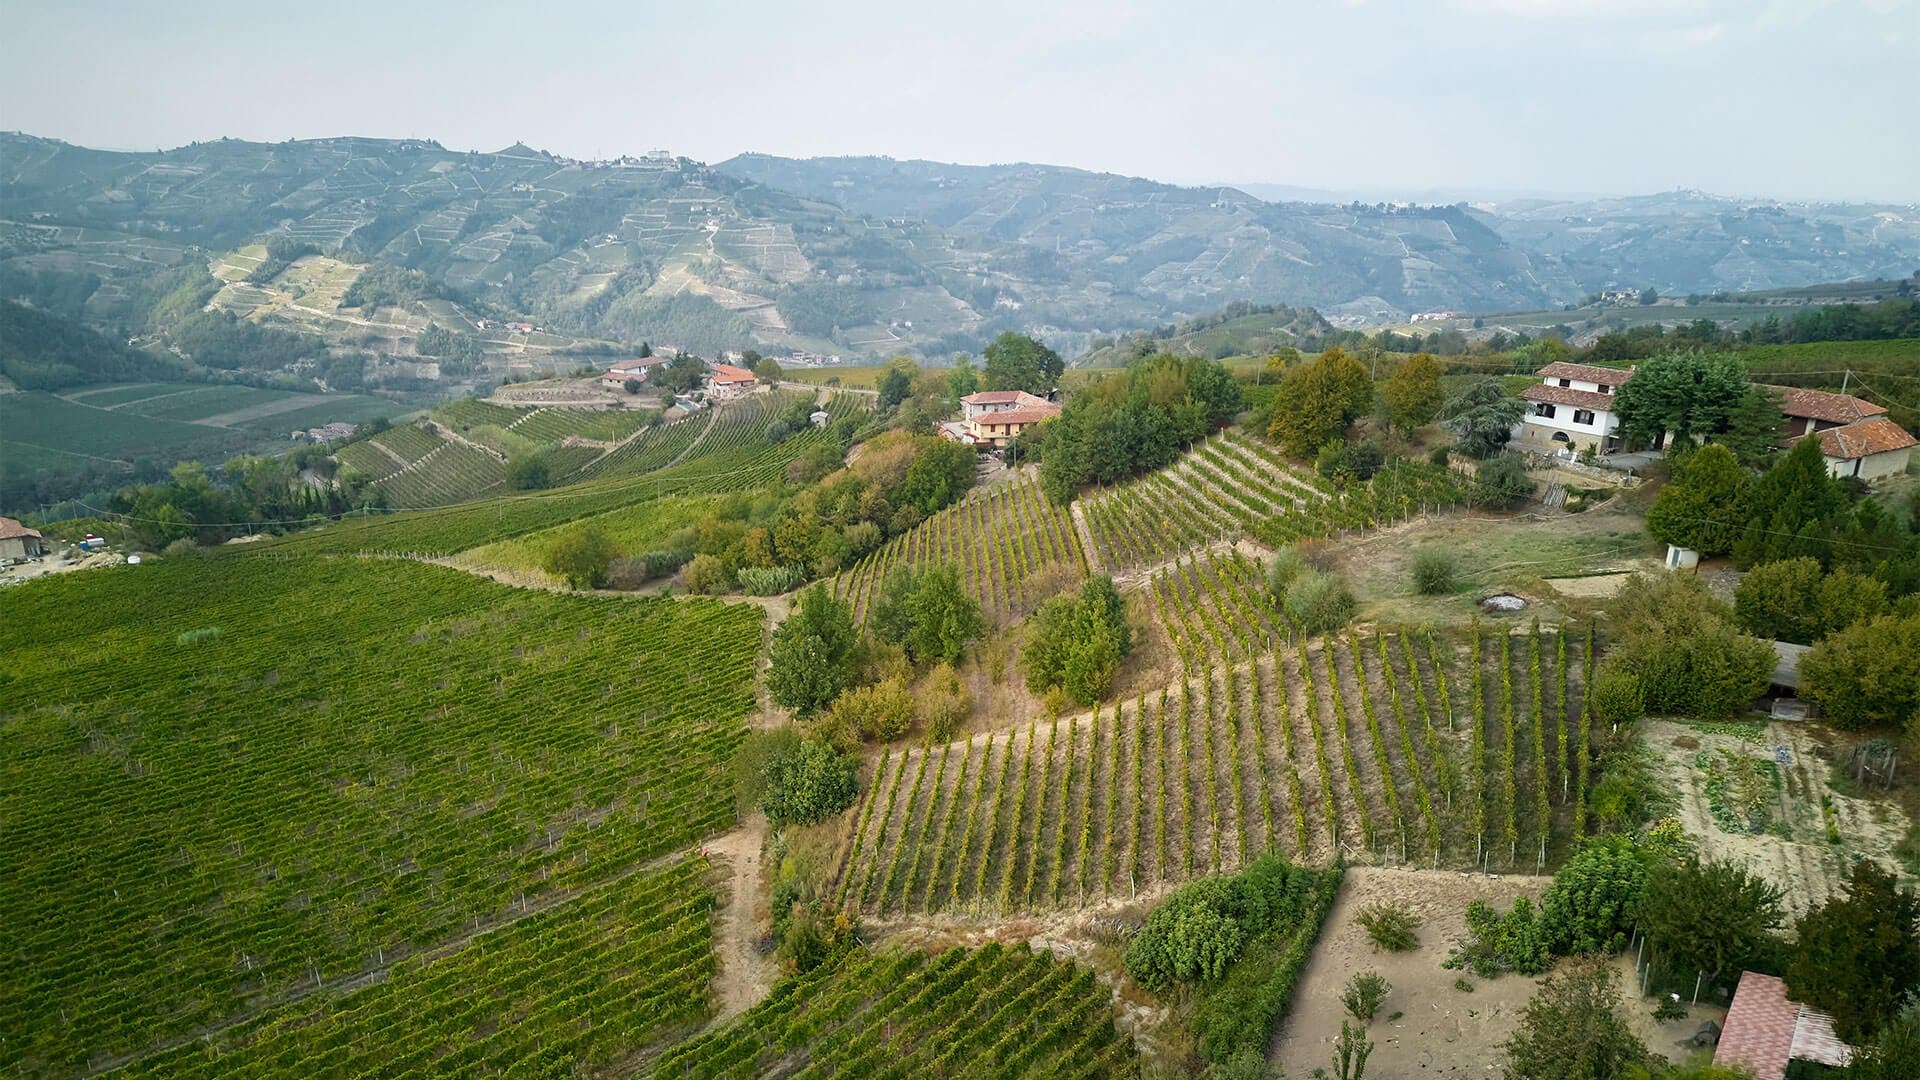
(806, 782)
(1077, 642)
(1390, 926)
(944, 702)
(770, 580)
(1441, 456)
(883, 712)
(707, 575)
(529, 472)
(1503, 481)
(928, 612)
(1616, 697)
(1865, 676)
(1573, 1028)
(1286, 566)
(1319, 603)
(1434, 573)
(1349, 462)
(1201, 927)
(1515, 941)
(581, 558)
(1364, 995)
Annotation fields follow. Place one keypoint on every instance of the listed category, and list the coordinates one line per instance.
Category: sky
(1796, 99)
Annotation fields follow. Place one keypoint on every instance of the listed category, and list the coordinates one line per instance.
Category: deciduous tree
(1018, 362)
(1857, 956)
(1412, 394)
(812, 652)
(1318, 400)
(1867, 675)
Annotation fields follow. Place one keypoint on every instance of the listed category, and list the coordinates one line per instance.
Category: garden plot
(1760, 794)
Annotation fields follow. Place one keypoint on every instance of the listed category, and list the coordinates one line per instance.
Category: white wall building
(1572, 407)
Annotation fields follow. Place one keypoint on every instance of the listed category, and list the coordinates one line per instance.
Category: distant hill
(1238, 329)
(867, 257)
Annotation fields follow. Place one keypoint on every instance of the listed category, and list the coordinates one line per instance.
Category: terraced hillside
(1398, 747)
(1013, 547)
(992, 1011)
(249, 778)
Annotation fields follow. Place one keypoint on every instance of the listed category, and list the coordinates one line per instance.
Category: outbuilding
(19, 542)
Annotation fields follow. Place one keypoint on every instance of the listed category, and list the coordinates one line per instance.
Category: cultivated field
(291, 772)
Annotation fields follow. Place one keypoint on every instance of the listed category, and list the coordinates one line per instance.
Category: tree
(1190, 937)
(1018, 362)
(1483, 416)
(1682, 648)
(1317, 402)
(766, 369)
(527, 472)
(1793, 509)
(941, 472)
(1589, 907)
(1319, 603)
(812, 653)
(1753, 427)
(1857, 956)
(1412, 394)
(1894, 1054)
(581, 557)
(1679, 393)
(1708, 917)
(1077, 642)
(895, 387)
(1572, 1029)
(1700, 506)
(962, 379)
(1792, 600)
(1502, 480)
(927, 611)
(1865, 676)
(630, 385)
(806, 782)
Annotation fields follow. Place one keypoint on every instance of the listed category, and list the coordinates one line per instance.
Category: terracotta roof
(1863, 438)
(1821, 405)
(1563, 395)
(1560, 369)
(999, 397)
(1031, 414)
(727, 373)
(11, 529)
(1759, 1029)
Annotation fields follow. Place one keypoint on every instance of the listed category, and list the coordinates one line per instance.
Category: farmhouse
(637, 370)
(997, 417)
(1764, 1031)
(1572, 408)
(726, 382)
(19, 542)
(1866, 449)
(325, 433)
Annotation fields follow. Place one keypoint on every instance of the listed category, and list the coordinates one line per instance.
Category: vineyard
(245, 776)
(1013, 547)
(632, 530)
(581, 985)
(993, 1011)
(1233, 486)
(1396, 747)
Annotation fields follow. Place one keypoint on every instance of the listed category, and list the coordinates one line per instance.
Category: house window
(1605, 389)
(1561, 436)
(1566, 382)
(1543, 410)
(1583, 416)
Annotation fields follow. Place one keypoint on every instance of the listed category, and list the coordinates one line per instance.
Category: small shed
(819, 417)
(1765, 1030)
(1786, 665)
(19, 542)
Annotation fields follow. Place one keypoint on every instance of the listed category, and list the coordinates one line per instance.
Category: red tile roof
(1863, 438)
(1564, 395)
(1031, 414)
(999, 397)
(1821, 405)
(1759, 1029)
(1606, 376)
(727, 373)
(11, 529)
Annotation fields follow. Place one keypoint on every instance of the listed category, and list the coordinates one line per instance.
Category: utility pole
(1845, 375)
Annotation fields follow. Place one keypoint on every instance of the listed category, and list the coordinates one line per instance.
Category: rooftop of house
(1565, 395)
(1605, 376)
(1765, 1030)
(639, 362)
(1864, 438)
(1026, 414)
(727, 373)
(11, 529)
(1823, 405)
(1003, 397)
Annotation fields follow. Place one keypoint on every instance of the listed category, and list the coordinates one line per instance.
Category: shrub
(883, 711)
(770, 580)
(1286, 565)
(1441, 456)
(1617, 698)
(1364, 994)
(944, 702)
(1515, 941)
(581, 558)
(1319, 603)
(706, 574)
(1865, 676)
(1434, 573)
(1503, 481)
(1573, 1028)
(927, 611)
(1077, 642)
(1390, 926)
(527, 472)
(805, 782)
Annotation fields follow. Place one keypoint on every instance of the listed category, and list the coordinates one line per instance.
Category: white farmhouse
(1571, 407)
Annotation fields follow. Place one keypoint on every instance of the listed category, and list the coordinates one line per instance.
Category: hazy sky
(1793, 98)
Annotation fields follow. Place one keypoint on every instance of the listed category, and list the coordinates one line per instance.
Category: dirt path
(745, 975)
(1075, 512)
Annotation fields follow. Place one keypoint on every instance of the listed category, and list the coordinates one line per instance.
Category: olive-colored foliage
(1502, 480)
(1392, 927)
(1682, 645)
(805, 782)
(1201, 927)
(1412, 396)
(926, 610)
(881, 712)
(1317, 401)
(1077, 642)
(1867, 675)
(812, 653)
(1858, 955)
(1893, 1054)
(1793, 600)
(1319, 603)
(581, 558)
(1572, 1029)
(1364, 995)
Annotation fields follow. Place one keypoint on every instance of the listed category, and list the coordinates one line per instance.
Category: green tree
(1077, 642)
(1572, 1029)
(1701, 506)
(1412, 394)
(1865, 676)
(805, 782)
(1319, 603)
(895, 387)
(1190, 937)
(529, 472)
(1894, 1054)
(1857, 956)
(1793, 509)
(1682, 394)
(765, 368)
(1708, 917)
(812, 653)
(1589, 907)
(1753, 427)
(1502, 480)
(941, 472)
(1793, 601)
(581, 557)
(1018, 362)
(1482, 416)
(942, 617)
(1317, 401)
(1681, 646)
(962, 379)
